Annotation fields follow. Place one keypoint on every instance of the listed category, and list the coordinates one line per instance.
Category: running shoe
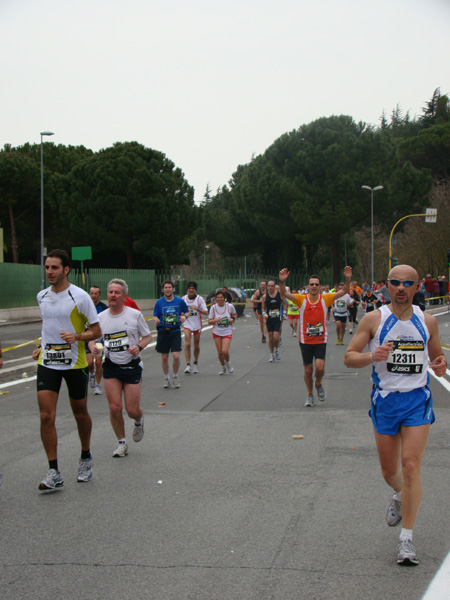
(85, 469)
(338, 341)
(281, 341)
(98, 389)
(406, 554)
(188, 370)
(175, 382)
(167, 383)
(394, 512)
(263, 339)
(229, 367)
(223, 370)
(92, 380)
(309, 400)
(277, 354)
(52, 480)
(271, 358)
(195, 369)
(138, 431)
(121, 450)
(321, 392)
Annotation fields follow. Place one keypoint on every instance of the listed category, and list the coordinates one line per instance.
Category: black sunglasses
(406, 282)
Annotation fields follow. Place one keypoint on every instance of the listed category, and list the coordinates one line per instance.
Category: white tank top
(406, 368)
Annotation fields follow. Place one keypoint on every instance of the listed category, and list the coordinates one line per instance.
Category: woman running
(222, 315)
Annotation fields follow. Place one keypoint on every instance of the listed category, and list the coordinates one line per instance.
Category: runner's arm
(93, 332)
(438, 360)
(348, 272)
(284, 274)
(355, 358)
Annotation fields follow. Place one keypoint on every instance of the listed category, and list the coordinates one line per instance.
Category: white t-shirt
(224, 327)
(68, 310)
(194, 321)
(340, 305)
(120, 332)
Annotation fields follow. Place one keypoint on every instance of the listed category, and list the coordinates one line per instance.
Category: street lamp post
(42, 206)
(372, 190)
(204, 261)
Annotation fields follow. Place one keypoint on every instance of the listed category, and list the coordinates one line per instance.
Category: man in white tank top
(403, 343)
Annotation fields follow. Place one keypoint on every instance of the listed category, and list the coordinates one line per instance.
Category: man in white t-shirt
(340, 314)
(193, 326)
(125, 335)
(65, 309)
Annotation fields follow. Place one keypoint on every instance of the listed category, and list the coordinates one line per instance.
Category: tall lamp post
(204, 261)
(42, 206)
(372, 190)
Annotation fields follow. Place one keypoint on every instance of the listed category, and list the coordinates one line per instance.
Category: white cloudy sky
(211, 83)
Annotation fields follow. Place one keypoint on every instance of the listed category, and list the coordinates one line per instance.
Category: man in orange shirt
(313, 328)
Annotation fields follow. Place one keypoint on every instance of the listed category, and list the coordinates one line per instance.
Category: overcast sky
(212, 83)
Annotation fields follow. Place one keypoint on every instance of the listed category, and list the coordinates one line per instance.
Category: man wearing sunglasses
(313, 334)
(403, 343)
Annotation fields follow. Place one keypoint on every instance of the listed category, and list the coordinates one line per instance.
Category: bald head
(403, 272)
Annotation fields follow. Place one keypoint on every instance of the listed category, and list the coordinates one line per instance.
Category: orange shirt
(313, 318)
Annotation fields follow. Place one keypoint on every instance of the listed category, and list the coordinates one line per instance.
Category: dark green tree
(131, 204)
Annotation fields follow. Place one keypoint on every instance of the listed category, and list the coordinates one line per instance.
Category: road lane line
(439, 588)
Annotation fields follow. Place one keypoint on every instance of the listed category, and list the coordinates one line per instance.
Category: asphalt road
(218, 501)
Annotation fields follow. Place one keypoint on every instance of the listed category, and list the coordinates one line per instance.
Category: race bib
(274, 314)
(341, 304)
(116, 342)
(192, 311)
(56, 354)
(314, 330)
(406, 358)
(223, 322)
(170, 319)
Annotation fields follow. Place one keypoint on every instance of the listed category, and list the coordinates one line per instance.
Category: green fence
(19, 283)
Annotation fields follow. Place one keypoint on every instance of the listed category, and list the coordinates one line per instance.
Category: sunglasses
(406, 282)
(311, 284)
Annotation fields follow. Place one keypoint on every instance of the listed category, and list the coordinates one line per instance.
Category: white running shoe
(167, 383)
(138, 431)
(92, 380)
(85, 469)
(52, 480)
(406, 554)
(121, 450)
(309, 400)
(271, 358)
(98, 389)
(394, 512)
(195, 369)
(229, 367)
(277, 354)
(223, 370)
(175, 382)
(188, 370)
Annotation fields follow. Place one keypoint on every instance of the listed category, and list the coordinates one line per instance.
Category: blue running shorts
(410, 409)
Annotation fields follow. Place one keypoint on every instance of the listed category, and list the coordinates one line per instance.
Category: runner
(95, 366)
(293, 316)
(313, 328)
(353, 310)
(257, 301)
(403, 343)
(369, 301)
(169, 313)
(65, 309)
(340, 311)
(125, 334)
(222, 316)
(271, 312)
(193, 325)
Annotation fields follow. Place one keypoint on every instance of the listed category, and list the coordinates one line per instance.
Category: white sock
(406, 534)
(123, 441)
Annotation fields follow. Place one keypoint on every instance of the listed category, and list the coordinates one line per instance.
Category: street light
(372, 190)
(42, 206)
(204, 261)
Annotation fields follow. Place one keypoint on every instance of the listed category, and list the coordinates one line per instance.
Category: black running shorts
(51, 379)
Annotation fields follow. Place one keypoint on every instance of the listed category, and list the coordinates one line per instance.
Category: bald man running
(403, 343)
